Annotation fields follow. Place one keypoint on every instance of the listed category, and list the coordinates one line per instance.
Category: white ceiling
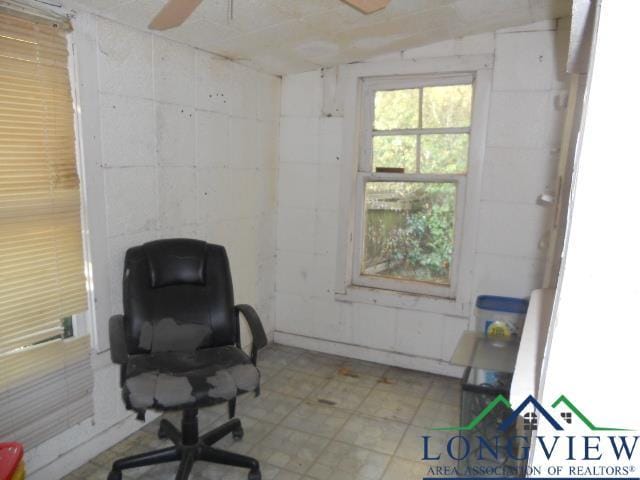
(287, 36)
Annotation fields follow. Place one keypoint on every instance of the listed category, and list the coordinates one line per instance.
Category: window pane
(396, 109)
(447, 106)
(395, 151)
(409, 230)
(67, 325)
(444, 153)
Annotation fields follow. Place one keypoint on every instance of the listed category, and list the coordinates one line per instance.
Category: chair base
(188, 448)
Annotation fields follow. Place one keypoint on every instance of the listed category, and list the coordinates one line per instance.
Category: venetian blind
(42, 276)
(44, 390)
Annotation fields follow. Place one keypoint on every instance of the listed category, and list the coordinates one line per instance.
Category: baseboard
(396, 359)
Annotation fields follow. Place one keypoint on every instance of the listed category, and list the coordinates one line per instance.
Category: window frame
(82, 322)
(83, 76)
(365, 173)
(398, 284)
(371, 85)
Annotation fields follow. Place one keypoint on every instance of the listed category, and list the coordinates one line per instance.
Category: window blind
(44, 383)
(45, 390)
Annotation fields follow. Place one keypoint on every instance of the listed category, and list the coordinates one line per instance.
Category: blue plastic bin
(501, 317)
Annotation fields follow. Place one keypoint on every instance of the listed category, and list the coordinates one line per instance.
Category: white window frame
(398, 284)
(82, 321)
(351, 87)
(366, 173)
(83, 70)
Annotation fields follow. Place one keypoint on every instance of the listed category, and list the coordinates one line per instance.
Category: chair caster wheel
(255, 475)
(114, 475)
(238, 433)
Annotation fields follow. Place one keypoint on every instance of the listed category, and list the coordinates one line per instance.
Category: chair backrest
(178, 296)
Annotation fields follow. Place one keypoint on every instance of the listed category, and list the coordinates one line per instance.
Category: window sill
(391, 298)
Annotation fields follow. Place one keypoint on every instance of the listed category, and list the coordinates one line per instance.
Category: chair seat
(177, 380)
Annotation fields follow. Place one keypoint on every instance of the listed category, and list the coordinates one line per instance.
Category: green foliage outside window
(446, 106)
(395, 151)
(410, 225)
(396, 109)
(444, 153)
(67, 325)
(409, 230)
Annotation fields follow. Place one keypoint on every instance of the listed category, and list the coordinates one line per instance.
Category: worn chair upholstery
(178, 344)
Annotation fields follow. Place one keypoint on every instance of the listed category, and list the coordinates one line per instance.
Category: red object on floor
(10, 459)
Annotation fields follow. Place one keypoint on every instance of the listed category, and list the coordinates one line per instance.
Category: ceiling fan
(175, 12)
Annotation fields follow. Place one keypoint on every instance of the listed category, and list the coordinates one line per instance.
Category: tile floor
(320, 417)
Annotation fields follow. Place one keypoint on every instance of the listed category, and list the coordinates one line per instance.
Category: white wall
(176, 143)
(189, 149)
(591, 355)
(162, 124)
(525, 124)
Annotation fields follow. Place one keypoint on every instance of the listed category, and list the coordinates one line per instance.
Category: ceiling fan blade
(173, 14)
(367, 6)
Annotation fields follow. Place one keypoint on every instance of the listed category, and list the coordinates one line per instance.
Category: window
(45, 379)
(530, 421)
(411, 183)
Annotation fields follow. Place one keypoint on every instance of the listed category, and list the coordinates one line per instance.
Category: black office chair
(178, 344)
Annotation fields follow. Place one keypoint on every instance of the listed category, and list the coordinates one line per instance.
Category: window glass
(408, 236)
(395, 151)
(396, 109)
(446, 106)
(409, 230)
(444, 153)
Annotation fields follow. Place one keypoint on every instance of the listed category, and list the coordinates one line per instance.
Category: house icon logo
(568, 414)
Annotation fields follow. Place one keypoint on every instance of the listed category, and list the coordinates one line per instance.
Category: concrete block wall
(525, 124)
(189, 149)
(189, 144)
(176, 142)
(523, 141)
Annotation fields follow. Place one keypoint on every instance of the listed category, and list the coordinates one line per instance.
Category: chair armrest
(117, 340)
(255, 326)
